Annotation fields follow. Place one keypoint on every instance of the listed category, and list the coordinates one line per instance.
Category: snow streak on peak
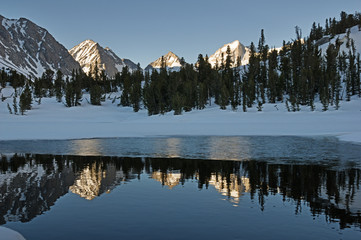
(237, 51)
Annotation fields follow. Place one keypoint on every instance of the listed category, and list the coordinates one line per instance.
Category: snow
(236, 49)
(52, 120)
(8, 234)
(355, 34)
(171, 61)
(7, 23)
(119, 67)
(86, 53)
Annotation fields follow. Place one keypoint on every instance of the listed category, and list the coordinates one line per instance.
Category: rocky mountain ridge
(30, 49)
(88, 52)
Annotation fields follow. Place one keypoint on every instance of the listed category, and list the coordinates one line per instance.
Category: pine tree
(15, 104)
(203, 82)
(69, 93)
(136, 85)
(95, 89)
(95, 94)
(25, 100)
(249, 77)
(262, 78)
(285, 69)
(58, 85)
(2, 81)
(177, 104)
(47, 83)
(358, 75)
(126, 87)
(224, 97)
(331, 86)
(236, 96)
(273, 82)
(77, 89)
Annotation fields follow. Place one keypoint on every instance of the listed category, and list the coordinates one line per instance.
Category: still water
(182, 188)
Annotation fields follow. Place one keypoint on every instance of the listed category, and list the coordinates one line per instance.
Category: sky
(143, 30)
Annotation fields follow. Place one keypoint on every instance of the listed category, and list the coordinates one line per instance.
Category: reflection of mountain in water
(96, 179)
(31, 184)
(170, 179)
(232, 187)
(31, 189)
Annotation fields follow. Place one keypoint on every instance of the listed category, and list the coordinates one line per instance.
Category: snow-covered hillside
(237, 51)
(88, 52)
(171, 60)
(52, 120)
(355, 34)
(30, 49)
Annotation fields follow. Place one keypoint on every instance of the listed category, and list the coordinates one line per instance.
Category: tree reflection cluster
(334, 193)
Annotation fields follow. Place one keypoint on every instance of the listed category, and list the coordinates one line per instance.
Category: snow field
(52, 120)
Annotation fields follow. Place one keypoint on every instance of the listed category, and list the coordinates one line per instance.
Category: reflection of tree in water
(326, 191)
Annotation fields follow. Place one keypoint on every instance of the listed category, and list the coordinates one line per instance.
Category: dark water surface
(182, 188)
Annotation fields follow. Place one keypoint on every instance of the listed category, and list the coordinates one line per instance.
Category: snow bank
(8, 234)
(52, 120)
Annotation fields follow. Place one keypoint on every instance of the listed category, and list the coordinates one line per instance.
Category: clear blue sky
(143, 30)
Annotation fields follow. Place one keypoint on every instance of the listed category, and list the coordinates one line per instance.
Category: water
(182, 188)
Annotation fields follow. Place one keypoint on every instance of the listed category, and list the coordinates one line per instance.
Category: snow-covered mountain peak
(171, 60)
(238, 50)
(89, 52)
(233, 45)
(30, 49)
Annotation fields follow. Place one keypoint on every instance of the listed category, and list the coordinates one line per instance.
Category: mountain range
(30, 49)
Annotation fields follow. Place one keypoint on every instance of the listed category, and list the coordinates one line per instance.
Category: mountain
(172, 62)
(88, 52)
(237, 50)
(30, 49)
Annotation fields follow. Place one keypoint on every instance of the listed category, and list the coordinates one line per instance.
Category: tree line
(298, 74)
